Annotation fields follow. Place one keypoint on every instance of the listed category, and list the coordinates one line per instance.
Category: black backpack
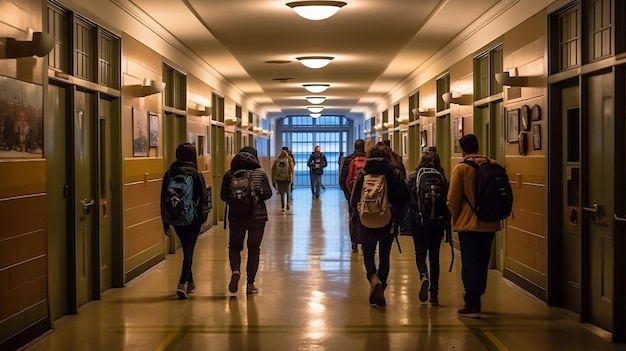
(494, 196)
(241, 197)
(432, 210)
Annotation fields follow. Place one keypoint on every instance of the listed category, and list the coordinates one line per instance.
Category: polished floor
(313, 295)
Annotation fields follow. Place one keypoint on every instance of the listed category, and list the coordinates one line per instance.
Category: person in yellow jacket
(282, 178)
(475, 236)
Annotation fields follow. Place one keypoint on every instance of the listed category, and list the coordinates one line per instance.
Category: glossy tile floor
(313, 296)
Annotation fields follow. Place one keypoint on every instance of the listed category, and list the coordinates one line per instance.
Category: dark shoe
(355, 248)
(423, 296)
(375, 288)
(381, 302)
(191, 286)
(182, 292)
(434, 300)
(251, 289)
(234, 281)
(469, 312)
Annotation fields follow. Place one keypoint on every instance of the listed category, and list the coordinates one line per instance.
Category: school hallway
(313, 295)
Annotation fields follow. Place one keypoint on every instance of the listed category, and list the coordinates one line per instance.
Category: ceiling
(376, 44)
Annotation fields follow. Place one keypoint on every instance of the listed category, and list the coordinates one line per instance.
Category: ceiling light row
(316, 10)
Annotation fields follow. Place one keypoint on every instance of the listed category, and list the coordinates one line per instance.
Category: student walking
(378, 190)
(475, 235)
(183, 205)
(429, 217)
(360, 156)
(316, 164)
(245, 188)
(282, 179)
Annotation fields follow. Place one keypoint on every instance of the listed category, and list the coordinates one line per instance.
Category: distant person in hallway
(378, 162)
(396, 159)
(475, 236)
(359, 151)
(429, 218)
(316, 164)
(185, 164)
(251, 221)
(282, 179)
(294, 165)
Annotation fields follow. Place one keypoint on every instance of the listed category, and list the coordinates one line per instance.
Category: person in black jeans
(186, 163)
(427, 238)
(242, 222)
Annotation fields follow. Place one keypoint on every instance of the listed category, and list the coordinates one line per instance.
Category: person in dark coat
(359, 150)
(252, 223)
(186, 163)
(379, 162)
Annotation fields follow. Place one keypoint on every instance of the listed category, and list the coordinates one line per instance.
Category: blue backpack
(179, 209)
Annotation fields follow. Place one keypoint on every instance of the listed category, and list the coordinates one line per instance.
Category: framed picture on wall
(405, 143)
(208, 140)
(423, 138)
(200, 145)
(140, 133)
(21, 119)
(512, 125)
(537, 137)
(154, 130)
(457, 133)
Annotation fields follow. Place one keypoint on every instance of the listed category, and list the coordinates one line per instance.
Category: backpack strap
(474, 165)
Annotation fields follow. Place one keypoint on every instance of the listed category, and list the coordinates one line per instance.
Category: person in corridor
(359, 151)
(475, 236)
(282, 179)
(316, 164)
(427, 236)
(379, 162)
(186, 163)
(241, 222)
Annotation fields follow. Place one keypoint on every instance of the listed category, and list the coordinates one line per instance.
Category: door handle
(618, 218)
(595, 209)
(87, 205)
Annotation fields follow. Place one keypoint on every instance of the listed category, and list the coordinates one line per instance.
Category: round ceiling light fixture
(315, 115)
(315, 109)
(315, 100)
(316, 88)
(315, 61)
(316, 10)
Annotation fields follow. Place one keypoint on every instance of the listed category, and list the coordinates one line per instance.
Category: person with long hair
(427, 236)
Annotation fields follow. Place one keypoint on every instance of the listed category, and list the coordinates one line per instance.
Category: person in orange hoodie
(475, 236)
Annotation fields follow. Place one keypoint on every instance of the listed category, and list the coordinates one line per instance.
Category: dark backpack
(494, 196)
(354, 167)
(241, 197)
(282, 169)
(179, 209)
(430, 187)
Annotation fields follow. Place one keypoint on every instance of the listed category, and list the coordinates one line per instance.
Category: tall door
(571, 245)
(598, 202)
(85, 197)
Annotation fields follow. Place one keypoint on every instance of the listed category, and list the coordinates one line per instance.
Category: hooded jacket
(283, 154)
(343, 175)
(199, 188)
(262, 189)
(462, 189)
(397, 192)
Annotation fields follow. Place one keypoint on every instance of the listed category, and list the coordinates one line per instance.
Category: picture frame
(405, 143)
(423, 138)
(537, 137)
(457, 133)
(522, 143)
(140, 133)
(154, 130)
(21, 119)
(512, 125)
(200, 145)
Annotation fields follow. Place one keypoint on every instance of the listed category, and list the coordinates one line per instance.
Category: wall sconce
(378, 127)
(454, 97)
(200, 110)
(151, 87)
(230, 121)
(40, 45)
(257, 130)
(367, 132)
(423, 112)
(403, 120)
(386, 125)
(316, 10)
(511, 79)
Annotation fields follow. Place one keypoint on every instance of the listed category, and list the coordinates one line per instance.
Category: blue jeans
(188, 236)
(316, 184)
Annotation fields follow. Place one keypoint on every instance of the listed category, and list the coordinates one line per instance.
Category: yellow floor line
(496, 342)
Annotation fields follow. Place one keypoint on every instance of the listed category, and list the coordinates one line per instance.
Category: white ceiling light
(315, 115)
(316, 88)
(315, 109)
(315, 61)
(315, 100)
(316, 10)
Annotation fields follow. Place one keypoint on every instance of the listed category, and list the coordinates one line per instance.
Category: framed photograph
(154, 130)
(522, 142)
(423, 138)
(200, 145)
(405, 143)
(537, 137)
(512, 125)
(140, 133)
(21, 119)
(457, 133)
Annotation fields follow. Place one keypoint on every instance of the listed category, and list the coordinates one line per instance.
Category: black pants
(427, 242)
(188, 236)
(255, 230)
(369, 253)
(475, 254)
